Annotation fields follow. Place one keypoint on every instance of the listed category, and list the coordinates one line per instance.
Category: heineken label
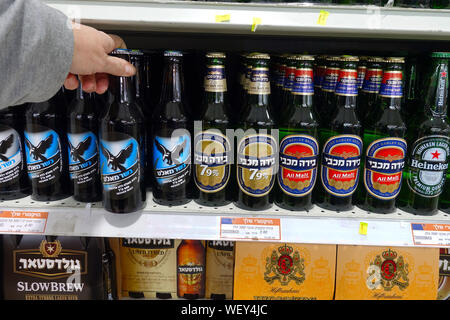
(428, 164)
(212, 160)
(346, 84)
(392, 84)
(259, 81)
(372, 80)
(440, 106)
(385, 160)
(330, 79)
(361, 76)
(289, 78)
(256, 164)
(304, 83)
(215, 80)
(341, 159)
(298, 164)
(319, 75)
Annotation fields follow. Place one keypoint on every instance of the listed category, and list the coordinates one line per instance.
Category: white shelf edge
(192, 221)
(276, 19)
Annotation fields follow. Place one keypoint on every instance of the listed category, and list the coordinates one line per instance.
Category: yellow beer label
(219, 268)
(259, 81)
(256, 164)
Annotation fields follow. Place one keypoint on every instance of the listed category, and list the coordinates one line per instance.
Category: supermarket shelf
(193, 221)
(261, 19)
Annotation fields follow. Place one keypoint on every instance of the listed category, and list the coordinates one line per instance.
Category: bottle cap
(333, 58)
(348, 58)
(440, 55)
(395, 60)
(376, 59)
(220, 55)
(257, 55)
(172, 53)
(304, 57)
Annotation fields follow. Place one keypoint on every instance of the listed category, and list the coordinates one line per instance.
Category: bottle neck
(436, 99)
(122, 89)
(172, 82)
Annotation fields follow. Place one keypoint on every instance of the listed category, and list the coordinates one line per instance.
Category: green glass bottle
(212, 148)
(368, 96)
(299, 147)
(289, 76)
(411, 106)
(428, 146)
(440, 4)
(341, 145)
(327, 97)
(257, 148)
(384, 145)
(319, 74)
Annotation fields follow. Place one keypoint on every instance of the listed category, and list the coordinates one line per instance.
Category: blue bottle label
(298, 164)
(385, 160)
(392, 84)
(347, 83)
(372, 80)
(120, 166)
(43, 154)
(83, 157)
(341, 159)
(172, 160)
(330, 79)
(11, 162)
(304, 82)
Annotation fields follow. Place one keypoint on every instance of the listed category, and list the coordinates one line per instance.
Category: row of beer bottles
(123, 149)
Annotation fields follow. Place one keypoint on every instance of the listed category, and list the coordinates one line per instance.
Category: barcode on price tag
(431, 234)
(23, 222)
(250, 228)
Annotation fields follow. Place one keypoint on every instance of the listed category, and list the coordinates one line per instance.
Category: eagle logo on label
(385, 160)
(298, 164)
(340, 164)
(388, 271)
(284, 266)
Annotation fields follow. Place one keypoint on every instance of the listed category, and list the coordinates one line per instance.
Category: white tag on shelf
(431, 234)
(23, 222)
(250, 228)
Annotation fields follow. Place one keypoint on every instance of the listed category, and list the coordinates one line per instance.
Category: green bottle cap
(445, 55)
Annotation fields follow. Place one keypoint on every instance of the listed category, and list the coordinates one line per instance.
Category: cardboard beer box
(386, 273)
(444, 275)
(284, 271)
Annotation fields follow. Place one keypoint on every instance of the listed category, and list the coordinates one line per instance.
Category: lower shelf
(192, 221)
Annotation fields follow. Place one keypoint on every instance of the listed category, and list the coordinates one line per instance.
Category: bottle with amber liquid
(191, 262)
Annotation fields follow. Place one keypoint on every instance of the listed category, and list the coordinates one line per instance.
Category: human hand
(91, 62)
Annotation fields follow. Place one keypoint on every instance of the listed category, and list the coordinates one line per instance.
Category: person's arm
(41, 50)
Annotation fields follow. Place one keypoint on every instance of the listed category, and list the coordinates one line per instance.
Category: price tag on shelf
(223, 18)
(250, 228)
(23, 222)
(431, 234)
(363, 228)
(256, 22)
(323, 17)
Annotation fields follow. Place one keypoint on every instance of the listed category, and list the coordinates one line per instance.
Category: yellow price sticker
(223, 17)
(256, 22)
(323, 17)
(363, 228)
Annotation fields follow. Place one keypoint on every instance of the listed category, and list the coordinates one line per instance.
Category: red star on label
(443, 74)
(436, 155)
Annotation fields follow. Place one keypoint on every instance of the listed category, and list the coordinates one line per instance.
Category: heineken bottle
(212, 148)
(428, 146)
(384, 145)
(299, 147)
(341, 145)
(257, 148)
(370, 88)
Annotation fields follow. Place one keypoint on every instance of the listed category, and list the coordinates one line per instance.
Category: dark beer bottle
(428, 146)
(286, 89)
(45, 149)
(384, 145)
(171, 139)
(341, 144)
(327, 97)
(319, 74)
(212, 148)
(191, 262)
(82, 130)
(257, 149)
(362, 69)
(121, 136)
(14, 183)
(370, 88)
(299, 148)
(411, 97)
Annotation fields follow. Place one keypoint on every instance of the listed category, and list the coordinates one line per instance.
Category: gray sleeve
(36, 51)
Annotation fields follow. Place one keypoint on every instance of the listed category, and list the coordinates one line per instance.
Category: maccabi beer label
(385, 160)
(11, 162)
(212, 160)
(83, 156)
(120, 166)
(43, 153)
(428, 164)
(361, 76)
(256, 164)
(298, 164)
(372, 80)
(330, 79)
(340, 164)
(215, 80)
(392, 84)
(303, 82)
(347, 83)
(289, 78)
(259, 81)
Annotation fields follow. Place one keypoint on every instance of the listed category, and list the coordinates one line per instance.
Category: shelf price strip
(250, 228)
(431, 234)
(23, 222)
